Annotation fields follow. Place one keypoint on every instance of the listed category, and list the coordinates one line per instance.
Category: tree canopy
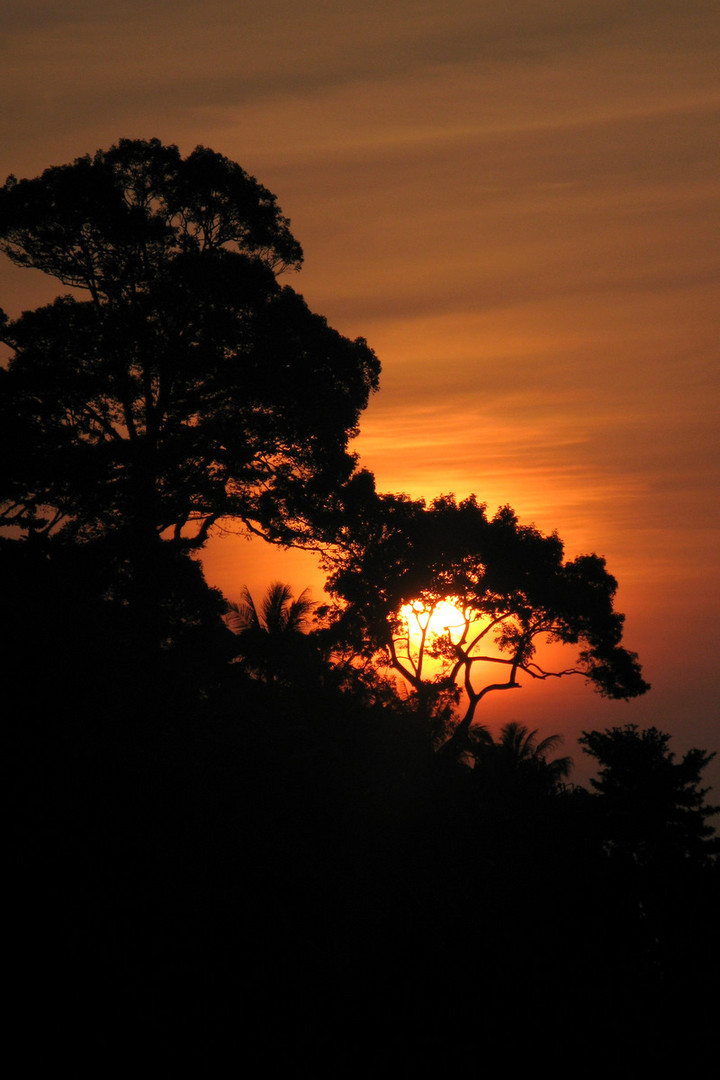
(272, 641)
(654, 807)
(518, 751)
(180, 383)
(509, 583)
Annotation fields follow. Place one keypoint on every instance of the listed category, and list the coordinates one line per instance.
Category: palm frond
(298, 611)
(549, 744)
(242, 616)
(274, 606)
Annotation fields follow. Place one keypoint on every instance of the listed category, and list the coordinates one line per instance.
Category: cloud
(470, 67)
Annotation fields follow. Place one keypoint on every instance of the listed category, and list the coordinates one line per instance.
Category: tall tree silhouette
(179, 383)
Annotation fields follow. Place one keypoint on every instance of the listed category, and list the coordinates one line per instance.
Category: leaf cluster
(654, 805)
(190, 385)
(509, 581)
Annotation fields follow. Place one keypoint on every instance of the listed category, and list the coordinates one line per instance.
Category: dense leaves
(271, 641)
(654, 807)
(509, 583)
(190, 386)
(518, 761)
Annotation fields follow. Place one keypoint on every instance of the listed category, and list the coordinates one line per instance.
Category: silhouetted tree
(509, 585)
(653, 807)
(518, 758)
(659, 882)
(186, 385)
(272, 642)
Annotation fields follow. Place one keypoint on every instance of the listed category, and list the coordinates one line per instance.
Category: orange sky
(517, 205)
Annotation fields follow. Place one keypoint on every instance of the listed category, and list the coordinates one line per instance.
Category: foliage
(280, 613)
(196, 818)
(510, 586)
(71, 607)
(518, 760)
(653, 806)
(271, 641)
(187, 385)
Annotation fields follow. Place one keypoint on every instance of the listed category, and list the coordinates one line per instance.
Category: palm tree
(273, 638)
(518, 745)
(519, 761)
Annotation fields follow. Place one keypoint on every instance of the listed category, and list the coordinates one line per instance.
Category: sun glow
(425, 634)
(430, 638)
(426, 620)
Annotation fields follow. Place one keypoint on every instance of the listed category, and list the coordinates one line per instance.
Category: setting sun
(425, 620)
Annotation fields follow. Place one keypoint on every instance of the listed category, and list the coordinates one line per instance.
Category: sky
(518, 206)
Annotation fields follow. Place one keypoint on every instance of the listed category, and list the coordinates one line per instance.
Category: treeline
(207, 844)
(230, 827)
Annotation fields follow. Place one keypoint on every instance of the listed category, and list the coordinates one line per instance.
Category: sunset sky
(518, 205)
